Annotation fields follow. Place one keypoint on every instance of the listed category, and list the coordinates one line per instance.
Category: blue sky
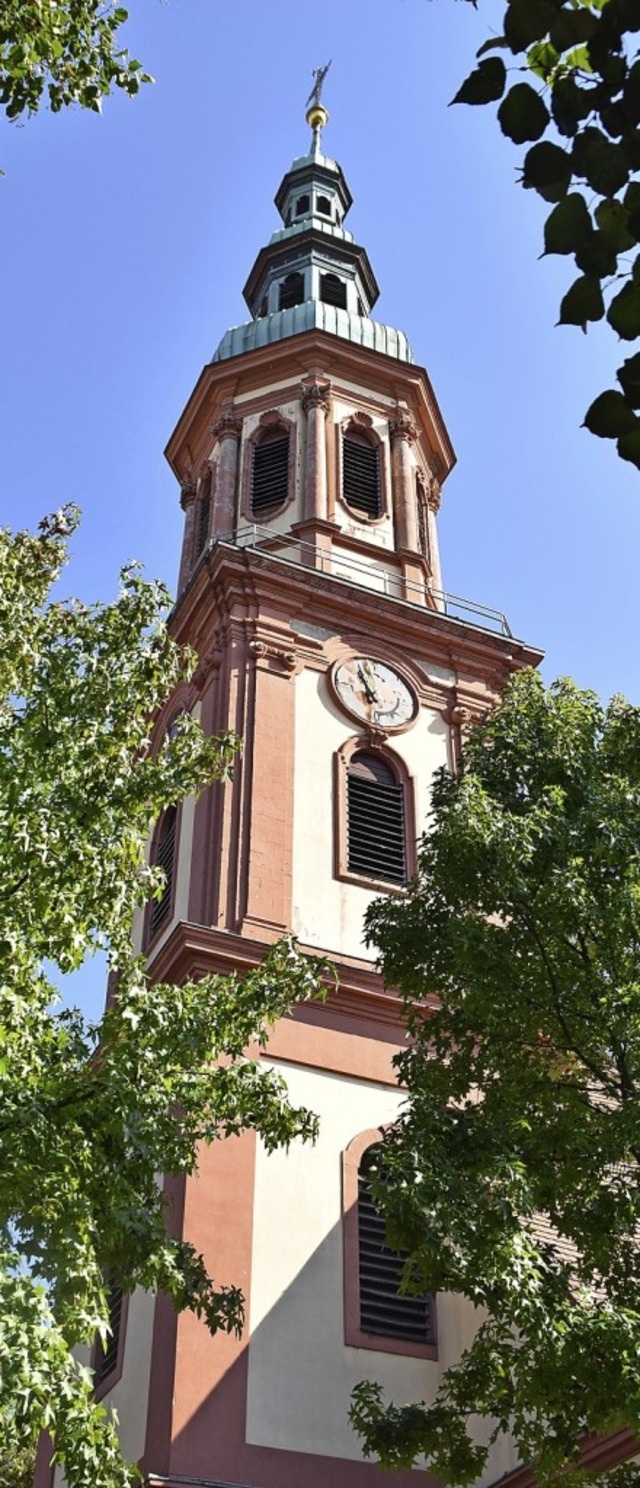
(127, 239)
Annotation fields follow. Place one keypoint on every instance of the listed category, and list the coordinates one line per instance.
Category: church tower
(311, 457)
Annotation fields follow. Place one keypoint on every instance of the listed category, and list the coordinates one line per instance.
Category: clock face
(374, 692)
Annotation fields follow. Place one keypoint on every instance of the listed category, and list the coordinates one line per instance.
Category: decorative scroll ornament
(460, 715)
(188, 489)
(318, 395)
(209, 662)
(401, 426)
(286, 659)
(433, 495)
(227, 426)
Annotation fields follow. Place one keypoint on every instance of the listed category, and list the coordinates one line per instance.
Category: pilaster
(188, 504)
(227, 430)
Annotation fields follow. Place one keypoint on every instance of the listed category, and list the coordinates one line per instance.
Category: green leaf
(624, 312)
(491, 45)
(484, 85)
(603, 163)
(547, 169)
(523, 115)
(542, 59)
(628, 376)
(632, 206)
(570, 103)
(572, 27)
(568, 225)
(631, 95)
(613, 219)
(609, 415)
(527, 21)
(596, 255)
(629, 446)
(583, 302)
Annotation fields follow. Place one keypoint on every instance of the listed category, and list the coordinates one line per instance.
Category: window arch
(377, 1314)
(374, 816)
(302, 205)
(361, 482)
(323, 206)
(268, 480)
(163, 856)
(291, 291)
(333, 291)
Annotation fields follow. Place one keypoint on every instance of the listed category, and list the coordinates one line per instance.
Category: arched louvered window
(376, 828)
(203, 517)
(361, 474)
(302, 206)
(164, 857)
(323, 206)
(270, 473)
(384, 1310)
(291, 291)
(106, 1355)
(333, 291)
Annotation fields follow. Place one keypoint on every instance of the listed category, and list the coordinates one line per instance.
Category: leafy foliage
(16, 1469)
(513, 1177)
(581, 116)
(64, 50)
(89, 1115)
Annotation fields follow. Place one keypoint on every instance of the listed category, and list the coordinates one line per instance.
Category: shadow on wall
(290, 1383)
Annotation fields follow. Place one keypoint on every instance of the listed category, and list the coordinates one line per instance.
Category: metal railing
(377, 574)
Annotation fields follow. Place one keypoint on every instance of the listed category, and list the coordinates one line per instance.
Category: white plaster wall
(130, 1396)
(327, 912)
(301, 1373)
(360, 568)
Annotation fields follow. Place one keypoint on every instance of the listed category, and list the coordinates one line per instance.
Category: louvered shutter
(291, 291)
(361, 475)
(164, 858)
(333, 291)
(270, 474)
(204, 513)
(383, 1308)
(107, 1357)
(375, 820)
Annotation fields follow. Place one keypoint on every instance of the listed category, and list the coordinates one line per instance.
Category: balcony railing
(377, 574)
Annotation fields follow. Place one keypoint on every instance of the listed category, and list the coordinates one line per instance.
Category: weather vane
(316, 113)
(319, 74)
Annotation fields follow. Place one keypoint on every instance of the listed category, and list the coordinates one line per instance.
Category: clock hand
(371, 696)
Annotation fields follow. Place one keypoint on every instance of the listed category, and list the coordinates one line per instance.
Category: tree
(17, 1469)
(580, 114)
(513, 1177)
(90, 1114)
(64, 50)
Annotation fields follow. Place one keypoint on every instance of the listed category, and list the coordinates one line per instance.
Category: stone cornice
(288, 361)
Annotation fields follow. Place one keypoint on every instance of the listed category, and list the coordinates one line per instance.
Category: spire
(312, 273)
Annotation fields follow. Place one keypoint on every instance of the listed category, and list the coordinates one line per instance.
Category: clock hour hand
(371, 696)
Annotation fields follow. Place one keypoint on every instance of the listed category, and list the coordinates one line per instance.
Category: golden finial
(317, 115)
